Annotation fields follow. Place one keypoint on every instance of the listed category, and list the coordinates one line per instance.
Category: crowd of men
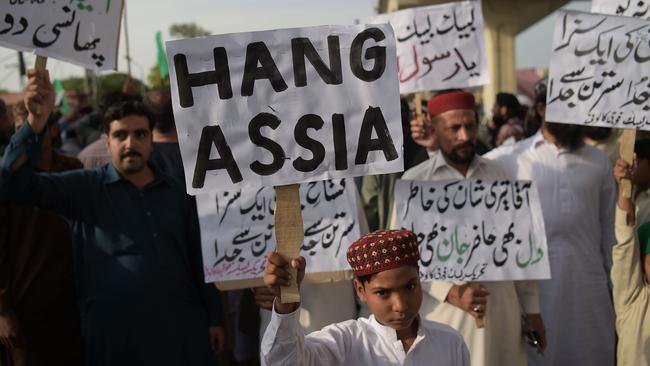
(100, 259)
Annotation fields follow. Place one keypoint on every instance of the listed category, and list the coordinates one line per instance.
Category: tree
(187, 30)
(115, 82)
(153, 79)
(74, 83)
(105, 84)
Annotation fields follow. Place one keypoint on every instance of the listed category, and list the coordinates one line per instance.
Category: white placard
(439, 47)
(84, 33)
(600, 71)
(237, 229)
(627, 8)
(473, 230)
(286, 106)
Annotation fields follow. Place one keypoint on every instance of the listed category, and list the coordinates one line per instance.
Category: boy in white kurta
(387, 280)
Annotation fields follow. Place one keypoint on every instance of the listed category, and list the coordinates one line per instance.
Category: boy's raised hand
(276, 274)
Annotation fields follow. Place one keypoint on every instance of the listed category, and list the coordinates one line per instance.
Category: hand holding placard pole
(39, 65)
(480, 322)
(289, 234)
(626, 151)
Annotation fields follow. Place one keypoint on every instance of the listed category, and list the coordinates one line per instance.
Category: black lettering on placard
(256, 137)
(213, 135)
(340, 142)
(376, 53)
(258, 53)
(374, 119)
(186, 81)
(302, 48)
(317, 149)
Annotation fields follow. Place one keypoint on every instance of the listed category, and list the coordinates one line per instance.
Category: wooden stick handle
(289, 234)
(626, 150)
(40, 65)
(418, 103)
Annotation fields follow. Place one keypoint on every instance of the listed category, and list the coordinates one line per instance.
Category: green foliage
(153, 79)
(115, 82)
(187, 30)
(74, 83)
(107, 83)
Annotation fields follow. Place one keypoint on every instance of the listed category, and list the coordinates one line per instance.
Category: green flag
(59, 96)
(162, 57)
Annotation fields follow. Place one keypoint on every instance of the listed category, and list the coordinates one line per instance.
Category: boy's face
(393, 296)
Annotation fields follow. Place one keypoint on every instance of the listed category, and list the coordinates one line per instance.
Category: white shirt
(500, 343)
(358, 342)
(578, 195)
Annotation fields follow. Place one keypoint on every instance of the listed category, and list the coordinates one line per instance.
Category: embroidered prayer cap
(444, 102)
(383, 250)
(644, 237)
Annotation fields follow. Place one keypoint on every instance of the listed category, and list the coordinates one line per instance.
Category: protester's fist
(277, 274)
(39, 99)
(217, 336)
(470, 298)
(422, 132)
(622, 170)
(8, 330)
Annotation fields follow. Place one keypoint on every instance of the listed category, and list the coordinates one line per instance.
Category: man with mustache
(135, 237)
(454, 126)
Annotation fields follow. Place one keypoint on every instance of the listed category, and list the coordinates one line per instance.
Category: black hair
(124, 109)
(642, 149)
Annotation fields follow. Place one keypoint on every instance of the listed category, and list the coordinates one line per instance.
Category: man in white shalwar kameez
(500, 342)
(578, 197)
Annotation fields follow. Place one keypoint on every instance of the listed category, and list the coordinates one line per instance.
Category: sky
(145, 18)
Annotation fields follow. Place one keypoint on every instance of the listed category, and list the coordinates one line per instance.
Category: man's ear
(360, 289)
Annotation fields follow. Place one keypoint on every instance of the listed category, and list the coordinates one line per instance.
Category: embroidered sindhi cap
(444, 102)
(383, 250)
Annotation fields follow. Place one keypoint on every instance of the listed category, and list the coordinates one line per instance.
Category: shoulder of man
(441, 331)
(419, 170)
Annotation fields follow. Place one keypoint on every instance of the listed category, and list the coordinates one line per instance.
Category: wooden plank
(626, 142)
(289, 234)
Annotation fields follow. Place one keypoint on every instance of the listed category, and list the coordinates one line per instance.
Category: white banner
(85, 33)
(627, 8)
(439, 47)
(286, 106)
(599, 72)
(237, 229)
(471, 230)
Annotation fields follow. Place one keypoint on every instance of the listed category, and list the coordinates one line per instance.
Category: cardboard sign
(626, 8)
(237, 229)
(600, 71)
(472, 230)
(286, 106)
(84, 33)
(439, 46)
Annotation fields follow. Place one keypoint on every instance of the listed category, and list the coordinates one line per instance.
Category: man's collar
(440, 162)
(389, 333)
(111, 175)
